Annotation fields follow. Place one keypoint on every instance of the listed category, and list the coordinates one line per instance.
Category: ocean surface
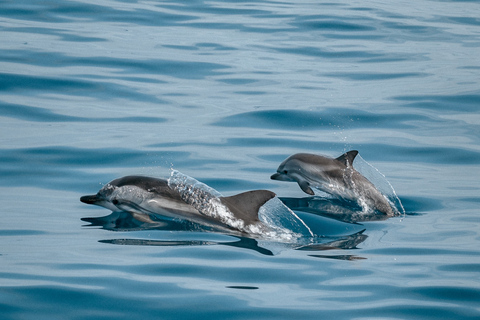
(224, 91)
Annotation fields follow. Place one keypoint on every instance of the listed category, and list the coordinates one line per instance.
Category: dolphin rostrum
(144, 196)
(334, 176)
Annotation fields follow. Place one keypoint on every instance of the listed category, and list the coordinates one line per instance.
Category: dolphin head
(114, 191)
(287, 170)
(282, 175)
(103, 197)
(295, 169)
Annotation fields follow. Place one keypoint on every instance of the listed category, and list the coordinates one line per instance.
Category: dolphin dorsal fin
(245, 205)
(348, 157)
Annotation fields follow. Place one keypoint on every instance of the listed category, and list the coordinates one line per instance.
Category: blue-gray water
(224, 91)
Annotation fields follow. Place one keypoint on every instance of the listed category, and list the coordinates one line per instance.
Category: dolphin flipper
(348, 157)
(246, 205)
(305, 186)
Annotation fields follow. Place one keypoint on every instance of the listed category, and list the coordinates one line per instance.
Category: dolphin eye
(285, 171)
(115, 201)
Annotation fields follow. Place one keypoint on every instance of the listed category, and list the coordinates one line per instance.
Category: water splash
(381, 183)
(202, 197)
(275, 213)
(358, 196)
(277, 222)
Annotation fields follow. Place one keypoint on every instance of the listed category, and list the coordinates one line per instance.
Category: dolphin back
(245, 205)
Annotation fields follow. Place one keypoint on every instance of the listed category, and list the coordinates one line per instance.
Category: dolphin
(144, 196)
(334, 176)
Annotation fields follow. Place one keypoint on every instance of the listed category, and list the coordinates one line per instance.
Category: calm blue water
(224, 91)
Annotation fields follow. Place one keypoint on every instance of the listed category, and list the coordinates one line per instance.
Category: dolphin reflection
(341, 210)
(123, 221)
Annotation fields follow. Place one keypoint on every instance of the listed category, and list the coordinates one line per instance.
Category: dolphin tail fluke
(348, 157)
(246, 205)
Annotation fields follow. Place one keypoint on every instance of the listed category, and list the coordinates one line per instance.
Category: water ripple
(39, 114)
(313, 120)
(225, 91)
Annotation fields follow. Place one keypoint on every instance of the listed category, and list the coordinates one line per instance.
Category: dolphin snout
(90, 199)
(275, 176)
(281, 177)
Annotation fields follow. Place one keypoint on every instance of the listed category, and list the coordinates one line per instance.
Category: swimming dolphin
(334, 176)
(143, 196)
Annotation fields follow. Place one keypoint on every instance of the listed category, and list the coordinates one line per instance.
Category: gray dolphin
(334, 176)
(143, 196)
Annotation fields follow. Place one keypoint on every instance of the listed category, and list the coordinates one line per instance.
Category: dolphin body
(334, 176)
(144, 196)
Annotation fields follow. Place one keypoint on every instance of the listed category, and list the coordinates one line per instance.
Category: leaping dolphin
(143, 196)
(334, 176)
